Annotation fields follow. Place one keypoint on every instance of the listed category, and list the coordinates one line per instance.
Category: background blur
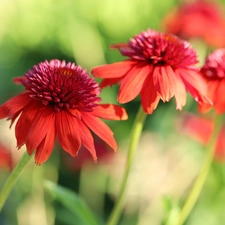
(167, 160)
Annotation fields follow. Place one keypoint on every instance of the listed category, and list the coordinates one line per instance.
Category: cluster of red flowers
(61, 100)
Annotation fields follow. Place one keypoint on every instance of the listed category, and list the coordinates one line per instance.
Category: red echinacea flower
(198, 19)
(159, 66)
(214, 72)
(201, 129)
(60, 100)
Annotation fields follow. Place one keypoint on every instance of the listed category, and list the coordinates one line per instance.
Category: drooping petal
(132, 83)
(149, 96)
(109, 82)
(195, 84)
(164, 81)
(45, 148)
(14, 105)
(110, 112)
(100, 129)
(114, 70)
(19, 80)
(219, 102)
(87, 139)
(118, 46)
(213, 93)
(24, 122)
(180, 92)
(68, 132)
(44, 118)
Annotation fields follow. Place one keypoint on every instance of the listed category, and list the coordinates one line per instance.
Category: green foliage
(72, 202)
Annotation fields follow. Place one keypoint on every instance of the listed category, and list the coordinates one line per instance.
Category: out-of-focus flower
(84, 158)
(159, 66)
(6, 160)
(60, 100)
(214, 72)
(198, 19)
(201, 129)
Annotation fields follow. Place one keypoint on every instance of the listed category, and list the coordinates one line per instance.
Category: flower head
(214, 72)
(201, 19)
(159, 66)
(60, 100)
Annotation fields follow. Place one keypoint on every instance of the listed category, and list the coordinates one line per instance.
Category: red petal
(180, 92)
(45, 148)
(44, 118)
(68, 132)
(213, 87)
(19, 80)
(100, 129)
(132, 83)
(219, 102)
(110, 112)
(164, 81)
(75, 113)
(109, 82)
(149, 96)
(14, 105)
(114, 70)
(118, 46)
(195, 84)
(24, 123)
(87, 139)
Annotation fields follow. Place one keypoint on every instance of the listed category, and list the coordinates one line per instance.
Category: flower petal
(213, 93)
(219, 103)
(24, 123)
(164, 81)
(109, 82)
(14, 105)
(45, 148)
(110, 112)
(100, 129)
(180, 92)
(195, 84)
(114, 70)
(118, 45)
(149, 96)
(87, 139)
(132, 83)
(68, 132)
(44, 118)
(19, 80)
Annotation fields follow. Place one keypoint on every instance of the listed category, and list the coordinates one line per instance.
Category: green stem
(134, 139)
(9, 184)
(200, 180)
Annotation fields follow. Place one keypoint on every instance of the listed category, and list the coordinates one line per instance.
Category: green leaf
(72, 202)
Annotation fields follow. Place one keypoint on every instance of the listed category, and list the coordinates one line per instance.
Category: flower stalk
(9, 184)
(200, 180)
(134, 140)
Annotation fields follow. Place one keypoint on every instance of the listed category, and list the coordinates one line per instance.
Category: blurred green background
(166, 163)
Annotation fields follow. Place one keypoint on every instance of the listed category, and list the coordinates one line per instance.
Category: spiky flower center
(62, 86)
(214, 67)
(160, 49)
